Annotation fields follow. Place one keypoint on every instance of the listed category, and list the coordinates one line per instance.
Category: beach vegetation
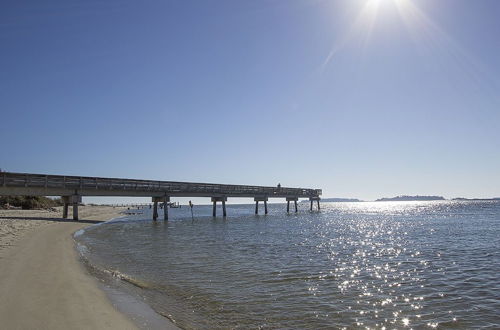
(29, 202)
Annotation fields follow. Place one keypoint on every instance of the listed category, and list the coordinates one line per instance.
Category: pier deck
(73, 187)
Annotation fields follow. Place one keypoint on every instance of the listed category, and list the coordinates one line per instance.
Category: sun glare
(427, 36)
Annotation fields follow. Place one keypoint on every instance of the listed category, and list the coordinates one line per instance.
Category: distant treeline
(30, 202)
(340, 200)
(412, 198)
(476, 199)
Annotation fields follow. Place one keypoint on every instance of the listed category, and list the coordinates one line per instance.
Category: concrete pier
(155, 211)
(164, 200)
(292, 199)
(72, 188)
(312, 199)
(260, 199)
(214, 207)
(74, 200)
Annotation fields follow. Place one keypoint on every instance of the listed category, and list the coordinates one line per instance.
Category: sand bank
(42, 283)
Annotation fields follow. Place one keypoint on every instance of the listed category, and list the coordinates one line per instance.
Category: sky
(362, 98)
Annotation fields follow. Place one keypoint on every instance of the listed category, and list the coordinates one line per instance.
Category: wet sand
(42, 283)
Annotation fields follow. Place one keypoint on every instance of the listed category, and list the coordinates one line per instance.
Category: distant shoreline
(404, 198)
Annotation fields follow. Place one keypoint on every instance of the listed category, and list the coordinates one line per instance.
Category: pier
(72, 188)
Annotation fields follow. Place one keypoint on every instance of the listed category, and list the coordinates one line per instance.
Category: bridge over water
(72, 188)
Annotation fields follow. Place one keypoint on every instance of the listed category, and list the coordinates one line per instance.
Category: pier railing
(41, 183)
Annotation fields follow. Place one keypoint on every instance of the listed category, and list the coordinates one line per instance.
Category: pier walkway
(72, 188)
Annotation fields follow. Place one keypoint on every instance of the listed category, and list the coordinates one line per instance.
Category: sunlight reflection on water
(392, 264)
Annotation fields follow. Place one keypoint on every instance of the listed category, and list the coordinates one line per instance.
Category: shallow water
(392, 264)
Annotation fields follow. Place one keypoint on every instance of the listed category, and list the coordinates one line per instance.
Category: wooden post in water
(214, 208)
(256, 207)
(296, 209)
(311, 204)
(287, 206)
(265, 207)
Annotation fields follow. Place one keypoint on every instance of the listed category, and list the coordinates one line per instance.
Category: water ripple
(372, 265)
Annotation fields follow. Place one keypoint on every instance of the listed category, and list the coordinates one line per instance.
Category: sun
(363, 24)
(374, 5)
(429, 39)
(377, 2)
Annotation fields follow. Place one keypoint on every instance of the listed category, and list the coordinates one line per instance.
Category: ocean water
(351, 265)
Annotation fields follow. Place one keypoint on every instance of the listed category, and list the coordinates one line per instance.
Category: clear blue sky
(339, 95)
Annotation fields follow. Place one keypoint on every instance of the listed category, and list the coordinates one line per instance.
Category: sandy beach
(42, 283)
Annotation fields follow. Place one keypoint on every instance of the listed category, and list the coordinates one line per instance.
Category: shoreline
(125, 300)
(44, 284)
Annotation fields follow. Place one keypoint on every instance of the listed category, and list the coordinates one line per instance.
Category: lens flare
(430, 40)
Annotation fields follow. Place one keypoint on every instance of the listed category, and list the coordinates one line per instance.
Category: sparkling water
(380, 264)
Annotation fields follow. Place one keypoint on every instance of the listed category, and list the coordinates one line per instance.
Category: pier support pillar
(75, 200)
(214, 208)
(155, 211)
(312, 199)
(291, 199)
(260, 199)
(164, 200)
(66, 201)
(75, 211)
(224, 213)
